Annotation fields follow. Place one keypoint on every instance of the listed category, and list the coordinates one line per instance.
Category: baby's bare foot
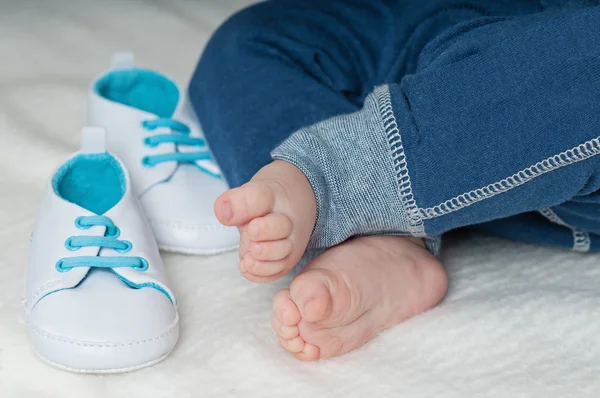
(275, 213)
(352, 292)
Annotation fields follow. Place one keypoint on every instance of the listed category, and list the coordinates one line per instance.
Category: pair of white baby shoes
(97, 297)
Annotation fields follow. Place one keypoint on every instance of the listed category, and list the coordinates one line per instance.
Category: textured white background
(519, 321)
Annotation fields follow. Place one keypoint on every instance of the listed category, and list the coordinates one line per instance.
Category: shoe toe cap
(103, 325)
(182, 217)
(193, 238)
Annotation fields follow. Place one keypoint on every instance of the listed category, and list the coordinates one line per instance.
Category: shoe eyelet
(148, 142)
(69, 245)
(143, 265)
(146, 125)
(128, 247)
(79, 225)
(146, 162)
(115, 234)
(59, 266)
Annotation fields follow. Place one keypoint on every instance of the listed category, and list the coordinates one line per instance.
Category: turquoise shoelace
(180, 135)
(109, 240)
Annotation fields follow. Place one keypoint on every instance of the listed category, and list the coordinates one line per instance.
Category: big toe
(311, 293)
(239, 206)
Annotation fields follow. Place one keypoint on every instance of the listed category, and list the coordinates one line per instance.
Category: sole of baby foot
(275, 213)
(353, 292)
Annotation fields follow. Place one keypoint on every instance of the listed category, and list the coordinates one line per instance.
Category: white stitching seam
(173, 328)
(581, 152)
(101, 371)
(384, 103)
(42, 289)
(581, 240)
(552, 216)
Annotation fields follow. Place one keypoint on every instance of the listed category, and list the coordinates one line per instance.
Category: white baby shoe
(97, 295)
(152, 127)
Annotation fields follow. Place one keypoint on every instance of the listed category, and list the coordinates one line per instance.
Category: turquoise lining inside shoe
(95, 182)
(142, 89)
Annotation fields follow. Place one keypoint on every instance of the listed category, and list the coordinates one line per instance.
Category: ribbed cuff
(357, 168)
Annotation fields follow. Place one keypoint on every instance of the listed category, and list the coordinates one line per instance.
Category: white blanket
(519, 321)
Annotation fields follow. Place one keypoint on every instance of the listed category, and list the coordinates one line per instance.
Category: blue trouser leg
(282, 65)
(500, 119)
(494, 120)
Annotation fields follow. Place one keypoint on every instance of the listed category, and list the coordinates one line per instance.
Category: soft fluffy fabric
(95, 182)
(519, 320)
(140, 88)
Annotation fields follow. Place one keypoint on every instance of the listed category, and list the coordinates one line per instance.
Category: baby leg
(280, 66)
(501, 119)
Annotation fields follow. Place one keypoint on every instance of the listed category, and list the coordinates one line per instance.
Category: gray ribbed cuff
(357, 168)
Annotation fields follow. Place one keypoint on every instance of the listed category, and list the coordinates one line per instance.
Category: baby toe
(239, 206)
(285, 332)
(273, 226)
(261, 268)
(271, 251)
(308, 353)
(294, 345)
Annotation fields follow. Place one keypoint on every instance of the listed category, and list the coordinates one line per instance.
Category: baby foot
(352, 292)
(275, 213)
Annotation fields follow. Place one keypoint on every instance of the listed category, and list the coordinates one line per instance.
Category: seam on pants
(392, 131)
(581, 240)
(581, 152)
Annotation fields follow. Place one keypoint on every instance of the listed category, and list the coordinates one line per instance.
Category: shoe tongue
(122, 60)
(93, 140)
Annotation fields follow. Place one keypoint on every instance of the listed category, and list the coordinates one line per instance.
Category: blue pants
(416, 117)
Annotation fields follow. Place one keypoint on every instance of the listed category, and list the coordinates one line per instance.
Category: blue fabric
(140, 88)
(282, 65)
(95, 182)
(416, 118)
